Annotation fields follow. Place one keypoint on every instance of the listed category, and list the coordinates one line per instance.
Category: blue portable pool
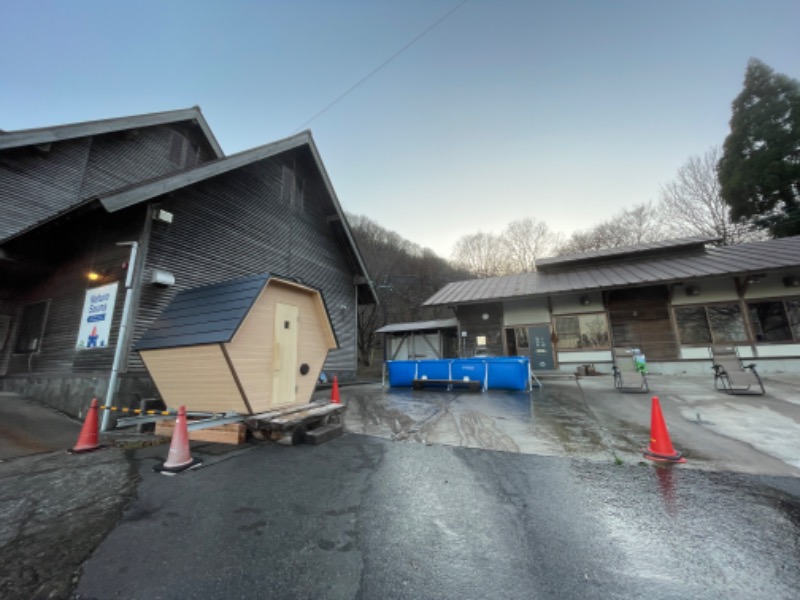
(498, 373)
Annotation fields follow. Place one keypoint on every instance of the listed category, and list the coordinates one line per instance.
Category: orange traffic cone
(89, 436)
(660, 448)
(335, 391)
(179, 458)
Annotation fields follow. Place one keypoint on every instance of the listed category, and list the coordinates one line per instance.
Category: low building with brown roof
(672, 299)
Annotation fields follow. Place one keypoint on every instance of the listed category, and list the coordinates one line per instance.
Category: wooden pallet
(289, 418)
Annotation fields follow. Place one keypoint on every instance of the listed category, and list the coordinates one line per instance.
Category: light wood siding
(196, 376)
(251, 350)
(235, 225)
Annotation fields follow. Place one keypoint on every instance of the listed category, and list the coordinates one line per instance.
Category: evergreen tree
(759, 172)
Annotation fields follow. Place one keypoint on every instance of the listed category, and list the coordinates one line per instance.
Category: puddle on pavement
(543, 422)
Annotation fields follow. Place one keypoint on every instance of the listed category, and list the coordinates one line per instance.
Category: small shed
(421, 339)
(248, 345)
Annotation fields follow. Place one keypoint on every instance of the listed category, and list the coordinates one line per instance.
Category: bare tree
(404, 275)
(480, 253)
(631, 226)
(523, 242)
(693, 206)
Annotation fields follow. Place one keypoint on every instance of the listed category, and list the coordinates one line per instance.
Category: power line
(383, 64)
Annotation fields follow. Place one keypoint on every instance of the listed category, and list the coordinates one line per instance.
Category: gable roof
(46, 135)
(142, 192)
(741, 259)
(210, 314)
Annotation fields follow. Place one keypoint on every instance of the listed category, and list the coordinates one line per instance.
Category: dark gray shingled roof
(210, 314)
(606, 273)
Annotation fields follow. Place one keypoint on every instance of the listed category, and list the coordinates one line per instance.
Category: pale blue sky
(564, 111)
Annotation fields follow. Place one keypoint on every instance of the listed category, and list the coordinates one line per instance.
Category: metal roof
(689, 243)
(46, 135)
(141, 192)
(210, 314)
(419, 326)
(680, 265)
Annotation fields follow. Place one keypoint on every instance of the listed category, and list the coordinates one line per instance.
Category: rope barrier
(137, 411)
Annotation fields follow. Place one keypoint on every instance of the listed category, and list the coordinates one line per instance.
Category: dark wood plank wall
(88, 244)
(246, 222)
(236, 224)
(640, 319)
(37, 182)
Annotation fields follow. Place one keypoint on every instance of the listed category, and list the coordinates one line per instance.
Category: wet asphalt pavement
(430, 494)
(363, 517)
(588, 418)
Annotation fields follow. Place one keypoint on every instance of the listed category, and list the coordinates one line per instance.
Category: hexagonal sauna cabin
(248, 345)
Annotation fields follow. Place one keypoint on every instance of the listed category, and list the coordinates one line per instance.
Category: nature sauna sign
(98, 311)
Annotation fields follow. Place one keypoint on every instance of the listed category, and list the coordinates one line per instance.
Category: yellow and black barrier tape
(137, 411)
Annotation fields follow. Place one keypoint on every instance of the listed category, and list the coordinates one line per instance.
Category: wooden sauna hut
(248, 345)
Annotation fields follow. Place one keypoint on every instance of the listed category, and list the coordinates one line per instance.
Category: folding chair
(628, 375)
(730, 375)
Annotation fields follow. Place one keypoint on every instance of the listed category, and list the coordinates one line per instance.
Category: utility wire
(383, 64)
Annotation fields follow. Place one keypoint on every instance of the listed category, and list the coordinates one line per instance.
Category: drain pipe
(113, 380)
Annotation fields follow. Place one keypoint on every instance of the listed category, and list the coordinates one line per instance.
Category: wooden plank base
(232, 433)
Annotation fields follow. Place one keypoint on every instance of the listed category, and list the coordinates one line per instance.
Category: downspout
(119, 351)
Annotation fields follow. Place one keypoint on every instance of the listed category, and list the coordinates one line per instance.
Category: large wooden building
(102, 223)
(672, 300)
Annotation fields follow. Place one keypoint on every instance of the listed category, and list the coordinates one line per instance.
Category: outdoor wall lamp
(692, 290)
(585, 301)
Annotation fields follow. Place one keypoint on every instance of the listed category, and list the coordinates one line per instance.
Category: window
(31, 326)
(726, 322)
(582, 331)
(771, 322)
(692, 325)
(712, 324)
